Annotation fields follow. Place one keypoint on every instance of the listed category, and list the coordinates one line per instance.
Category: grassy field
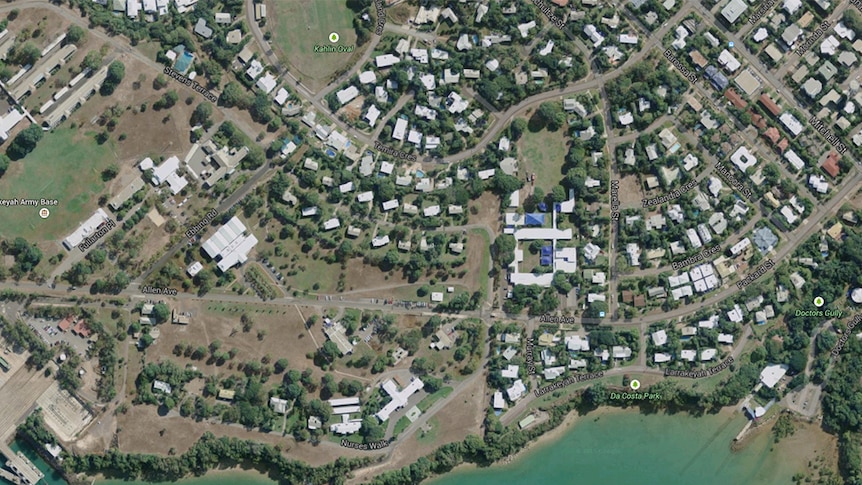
(401, 425)
(544, 153)
(430, 399)
(429, 436)
(299, 25)
(65, 166)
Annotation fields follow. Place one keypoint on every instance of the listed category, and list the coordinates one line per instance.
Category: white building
(399, 398)
(771, 374)
(229, 245)
(743, 159)
(86, 229)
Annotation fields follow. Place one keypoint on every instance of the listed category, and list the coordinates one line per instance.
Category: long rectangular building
(43, 71)
(77, 98)
(118, 200)
(229, 245)
(346, 401)
(86, 228)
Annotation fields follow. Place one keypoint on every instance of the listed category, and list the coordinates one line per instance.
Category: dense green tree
(24, 54)
(92, 61)
(116, 73)
(202, 113)
(75, 34)
(161, 313)
(24, 142)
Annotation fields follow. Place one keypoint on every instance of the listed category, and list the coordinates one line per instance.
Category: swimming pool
(183, 62)
(420, 174)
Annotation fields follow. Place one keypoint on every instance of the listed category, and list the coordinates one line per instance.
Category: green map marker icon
(333, 37)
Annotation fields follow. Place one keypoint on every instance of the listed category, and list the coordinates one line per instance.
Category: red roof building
(782, 145)
(82, 329)
(65, 324)
(770, 105)
(772, 135)
(757, 120)
(830, 166)
(735, 98)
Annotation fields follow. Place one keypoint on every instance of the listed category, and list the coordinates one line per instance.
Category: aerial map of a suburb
(448, 242)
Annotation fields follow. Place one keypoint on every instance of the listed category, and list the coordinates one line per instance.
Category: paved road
(641, 368)
(224, 206)
(298, 87)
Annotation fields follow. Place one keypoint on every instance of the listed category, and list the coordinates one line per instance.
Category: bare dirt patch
(285, 334)
(488, 206)
(630, 192)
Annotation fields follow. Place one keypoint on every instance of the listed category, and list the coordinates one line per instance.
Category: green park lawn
(298, 25)
(65, 166)
(543, 152)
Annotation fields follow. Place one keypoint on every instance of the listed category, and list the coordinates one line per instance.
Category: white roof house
(347, 94)
(510, 372)
(371, 115)
(194, 268)
(659, 338)
(431, 211)
(386, 60)
(771, 374)
(499, 401)
(662, 357)
(725, 338)
(733, 10)
(390, 204)
(267, 83)
(331, 224)
(517, 390)
(365, 196)
(400, 129)
(281, 96)
(162, 386)
(278, 405)
(380, 241)
(730, 63)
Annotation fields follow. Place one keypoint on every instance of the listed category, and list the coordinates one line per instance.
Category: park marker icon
(818, 301)
(333, 37)
(44, 213)
(635, 384)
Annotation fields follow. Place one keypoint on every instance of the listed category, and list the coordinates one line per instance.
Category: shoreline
(573, 418)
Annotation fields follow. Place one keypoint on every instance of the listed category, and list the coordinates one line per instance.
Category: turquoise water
(629, 448)
(618, 447)
(51, 476)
